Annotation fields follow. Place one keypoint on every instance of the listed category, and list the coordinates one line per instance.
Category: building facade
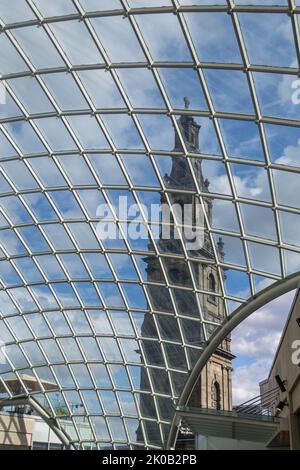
(284, 377)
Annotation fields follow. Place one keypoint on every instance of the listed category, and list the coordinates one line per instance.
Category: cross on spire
(186, 102)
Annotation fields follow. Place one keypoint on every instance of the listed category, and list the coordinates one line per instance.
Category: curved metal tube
(250, 306)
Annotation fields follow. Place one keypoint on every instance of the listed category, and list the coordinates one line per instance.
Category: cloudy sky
(254, 343)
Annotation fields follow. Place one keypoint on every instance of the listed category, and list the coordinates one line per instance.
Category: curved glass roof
(102, 101)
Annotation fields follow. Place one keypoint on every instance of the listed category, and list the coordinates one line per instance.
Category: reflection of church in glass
(214, 388)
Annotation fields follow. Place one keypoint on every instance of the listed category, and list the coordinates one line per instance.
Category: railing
(263, 404)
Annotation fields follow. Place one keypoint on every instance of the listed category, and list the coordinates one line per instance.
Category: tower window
(212, 287)
(216, 396)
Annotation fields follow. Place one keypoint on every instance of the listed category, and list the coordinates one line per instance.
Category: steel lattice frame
(113, 420)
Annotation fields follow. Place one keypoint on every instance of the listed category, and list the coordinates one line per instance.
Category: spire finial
(186, 102)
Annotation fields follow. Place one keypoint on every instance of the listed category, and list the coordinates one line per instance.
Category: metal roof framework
(48, 234)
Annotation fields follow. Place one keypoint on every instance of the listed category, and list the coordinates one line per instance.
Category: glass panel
(38, 325)
(76, 42)
(66, 204)
(120, 376)
(259, 221)
(242, 139)
(74, 266)
(6, 149)
(93, 5)
(15, 210)
(77, 170)
(10, 60)
(8, 274)
(20, 12)
(117, 429)
(183, 82)
(10, 242)
(38, 47)
(290, 227)
(135, 296)
(58, 237)
(65, 91)
(214, 37)
(224, 216)
(110, 349)
(25, 138)
(19, 174)
(34, 239)
(216, 177)
(158, 130)
(286, 188)
(88, 132)
(278, 94)
(66, 295)
(70, 349)
(127, 404)
(283, 144)
(237, 284)
(79, 321)
(264, 258)
(28, 90)
(40, 206)
(100, 375)
(251, 182)
(118, 39)
(56, 134)
(88, 294)
(107, 169)
(28, 270)
(275, 36)
(123, 266)
(19, 327)
(101, 88)
(141, 88)
(123, 131)
(91, 349)
(230, 249)
(93, 201)
(44, 297)
(292, 261)
(233, 85)
(140, 170)
(16, 356)
(167, 43)
(52, 351)
(59, 7)
(84, 237)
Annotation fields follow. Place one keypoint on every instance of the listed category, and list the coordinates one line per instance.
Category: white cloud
(246, 379)
(254, 343)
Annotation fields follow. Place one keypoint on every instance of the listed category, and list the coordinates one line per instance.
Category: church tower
(213, 389)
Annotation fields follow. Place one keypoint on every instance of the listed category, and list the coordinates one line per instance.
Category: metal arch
(51, 421)
(232, 321)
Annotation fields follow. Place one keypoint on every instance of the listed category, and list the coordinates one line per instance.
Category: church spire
(189, 130)
(186, 102)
